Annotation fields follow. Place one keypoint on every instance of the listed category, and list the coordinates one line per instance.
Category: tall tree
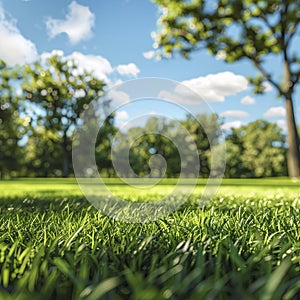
(12, 126)
(252, 30)
(59, 91)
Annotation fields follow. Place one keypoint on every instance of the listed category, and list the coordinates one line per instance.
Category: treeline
(254, 150)
(42, 102)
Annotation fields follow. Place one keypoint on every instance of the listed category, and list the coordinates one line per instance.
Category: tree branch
(266, 75)
(292, 32)
(267, 23)
(295, 79)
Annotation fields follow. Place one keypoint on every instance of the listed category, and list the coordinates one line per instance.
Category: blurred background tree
(256, 150)
(206, 133)
(59, 91)
(12, 125)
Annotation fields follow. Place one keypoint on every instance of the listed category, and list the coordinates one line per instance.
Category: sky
(113, 39)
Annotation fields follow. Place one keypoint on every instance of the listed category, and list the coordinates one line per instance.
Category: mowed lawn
(244, 244)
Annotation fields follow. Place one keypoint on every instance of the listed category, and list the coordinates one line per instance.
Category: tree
(156, 141)
(144, 142)
(165, 138)
(234, 155)
(256, 150)
(58, 92)
(252, 30)
(103, 145)
(42, 157)
(12, 126)
(205, 131)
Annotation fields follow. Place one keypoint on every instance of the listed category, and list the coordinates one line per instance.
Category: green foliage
(43, 154)
(206, 133)
(54, 245)
(12, 125)
(256, 150)
(60, 91)
(155, 141)
(103, 147)
(236, 30)
(160, 137)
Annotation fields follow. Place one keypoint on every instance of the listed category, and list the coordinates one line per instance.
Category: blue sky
(114, 38)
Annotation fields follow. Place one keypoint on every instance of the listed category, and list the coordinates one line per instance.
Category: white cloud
(275, 112)
(46, 55)
(118, 97)
(282, 124)
(267, 86)
(15, 48)
(121, 115)
(99, 66)
(149, 54)
(230, 125)
(77, 25)
(234, 114)
(247, 100)
(121, 120)
(128, 70)
(213, 87)
(96, 64)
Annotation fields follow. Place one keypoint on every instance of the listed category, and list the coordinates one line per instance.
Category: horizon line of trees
(41, 103)
(255, 150)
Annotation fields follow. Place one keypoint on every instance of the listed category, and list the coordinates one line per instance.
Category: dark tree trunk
(293, 157)
(65, 156)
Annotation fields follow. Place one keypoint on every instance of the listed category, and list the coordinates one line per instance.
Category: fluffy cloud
(275, 112)
(213, 87)
(121, 115)
(98, 65)
(128, 70)
(230, 125)
(234, 114)
(282, 124)
(118, 97)
(121, 120)
(77, 25)
(149, 54)
(247, 100)
(15, 48)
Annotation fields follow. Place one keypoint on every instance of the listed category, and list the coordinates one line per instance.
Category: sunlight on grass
(54, 244)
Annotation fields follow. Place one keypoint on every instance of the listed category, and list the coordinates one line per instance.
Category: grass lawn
(244, 244)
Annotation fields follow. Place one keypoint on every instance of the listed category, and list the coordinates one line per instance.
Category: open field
(244, 244)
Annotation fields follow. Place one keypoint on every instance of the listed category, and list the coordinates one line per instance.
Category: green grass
(244, 244)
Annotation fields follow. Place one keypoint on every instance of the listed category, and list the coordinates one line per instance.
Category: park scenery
(149, 149)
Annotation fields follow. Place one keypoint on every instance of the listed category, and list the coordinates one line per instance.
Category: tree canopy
(254, 30)
(60, 91)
